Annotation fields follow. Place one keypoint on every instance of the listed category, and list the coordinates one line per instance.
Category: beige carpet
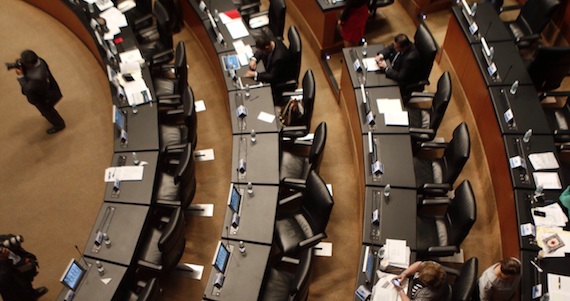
(51, 187)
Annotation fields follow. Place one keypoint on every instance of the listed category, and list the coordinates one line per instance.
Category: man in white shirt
(500, 281)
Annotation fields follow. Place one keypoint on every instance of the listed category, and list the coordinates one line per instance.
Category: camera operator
(17, 271)
(39, 86)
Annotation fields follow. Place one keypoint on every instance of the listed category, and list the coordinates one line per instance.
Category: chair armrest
(294, 183)
(290, 199)
(543, 95)
(258, 14)
(292, 93)
(532, 37)
(150, 265)
(510, 7)
(312, 241)
(444, 186)
(434, 189)
(436, 201)
(443, 250)
(422, 131)
(417, 86)
(421, 94)
(244, 8)
(293, 128)
(174, 203)
(160, 55)
(290, 260)
(174, 149)
(143, 22)
(433, 145)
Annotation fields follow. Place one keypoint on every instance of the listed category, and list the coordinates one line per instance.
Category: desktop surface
(260, 101)
(134, 192)
(369, 79)
(510, 66)
(142, 129)
(379, 126)
(395, 153)
(490, 25)
(261, 158)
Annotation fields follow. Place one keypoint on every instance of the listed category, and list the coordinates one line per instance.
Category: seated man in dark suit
(276, 59)
(404, 59)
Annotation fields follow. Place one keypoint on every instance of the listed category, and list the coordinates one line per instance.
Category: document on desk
(244, 52)
(266, 117)
(384, 288)
(548, 180)
(553, 216)
(388, 105)
(397, 253)
(558, 287)
(371, 64)
(135, 91)
(396, 118)
(541, 161)
(132, 55)
(554, 241)
(237, 29)
(124, 173)
(259, 21)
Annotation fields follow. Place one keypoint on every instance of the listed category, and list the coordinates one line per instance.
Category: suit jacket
(16, 285)
(278, 67)
(404, 69)
(39, 85)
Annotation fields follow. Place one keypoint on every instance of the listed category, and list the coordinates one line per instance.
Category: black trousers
(51, 114)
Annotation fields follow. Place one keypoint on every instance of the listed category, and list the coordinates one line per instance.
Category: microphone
(83, 257)
(228, 236)
(536, 266)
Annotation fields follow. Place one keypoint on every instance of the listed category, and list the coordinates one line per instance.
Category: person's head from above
(402, 42)
(29, 58)
(264, 44)
(509, 268)
(431, 274)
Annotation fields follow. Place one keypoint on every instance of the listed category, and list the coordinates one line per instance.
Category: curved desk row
(489, 99)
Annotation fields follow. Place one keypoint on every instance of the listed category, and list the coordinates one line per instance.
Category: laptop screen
(118, 118)
(73, 275)
(222, 257)
(368, 267)
(234, 199)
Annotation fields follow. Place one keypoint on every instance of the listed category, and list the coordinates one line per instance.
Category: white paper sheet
(124, 173)
(396, 252)
(258, 21)
(542, 161)
(396, 118)
(558, 287)
(371, 64)
(237, 29)
(266, 117)
(384, 288)
(548, 180)
(388, 105)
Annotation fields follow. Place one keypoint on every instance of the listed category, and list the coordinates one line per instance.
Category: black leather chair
(179, 125)
(177, 187)
(145, 291)
(374, 4)
(170, 79)
(559, 122)
(549, 67)
(276, 15)
(175, 14)
(296, 164)
(425, 122)
(533, 17)
(303, 126)
(295, 48)
(140, 16)
(154, 50)
(465, 283)
(435, 176)
(442, 235)
(427, 48)
(290, 279)
(165, 241)
(305, 227)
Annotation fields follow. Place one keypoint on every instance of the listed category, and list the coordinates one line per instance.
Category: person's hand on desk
(252, 64)
(249, 73)
(381, 63)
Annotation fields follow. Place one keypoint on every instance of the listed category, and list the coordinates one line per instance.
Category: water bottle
(216, 15)
(136, 160)
(387, 190)
(247, 91)
(253, 136)
(249, 188)
(365, 49)
(135, 110)
(514, 87)
(527, 135)
(100, 268)
(539, 189)
(107, 240)
(242, 248)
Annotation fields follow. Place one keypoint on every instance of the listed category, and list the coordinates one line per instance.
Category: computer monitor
(234, 199)
(368, 264)
(119, 118)
(222, 257)
(73, 274)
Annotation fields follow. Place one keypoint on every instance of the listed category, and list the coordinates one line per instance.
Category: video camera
(12, 242)
(16, 65)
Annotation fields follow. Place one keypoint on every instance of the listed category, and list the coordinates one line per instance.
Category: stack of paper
(244, 52)
(114, 19)
(558, 287)
(548, 180)
(554, 216)
(124, 173)
(542, 161)
(237, 29)
(392, 110)
(397, 253)
(384, 288)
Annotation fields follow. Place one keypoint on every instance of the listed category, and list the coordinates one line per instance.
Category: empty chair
(435, 175)
(559, 122)
(289, 280)
(465, 284)
(179, 125)
(549, 67)
(296, 164)
(176, 187)
(150, 32)
(425, 122)
(152, 48)
(302, 125)
(427, 48)
(165, 241)
(305, 227)
(275, 14)
(175, 14)
(148, 290)
(533, 17)
(141, 15)
(295, 48)
(442, 235)
(171, 84)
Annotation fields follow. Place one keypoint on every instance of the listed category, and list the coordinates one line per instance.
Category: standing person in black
(404, 59)
(276, 59)
(17, 271)
(40, 87)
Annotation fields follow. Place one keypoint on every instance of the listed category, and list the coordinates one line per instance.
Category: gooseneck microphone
(82, 257)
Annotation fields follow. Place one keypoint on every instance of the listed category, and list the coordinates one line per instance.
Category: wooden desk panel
(320, 25)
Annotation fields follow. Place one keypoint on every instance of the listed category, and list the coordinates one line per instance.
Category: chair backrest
(180, 61)
(144, 6)
(535, 14)
(151, 291)
(185, 177)
(172, 231)
(456, 153)
(318, 146)
(175, 14)
(549, 67)
(277, 10)
(427, 48)
(308, 97)
(300, 286)
(317, 203)
(440, 100)
(190, 116)
(464, 286)
(461, 214)
(163, 25)
(295, 48)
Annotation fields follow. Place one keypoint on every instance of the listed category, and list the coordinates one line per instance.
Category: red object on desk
(234, 14)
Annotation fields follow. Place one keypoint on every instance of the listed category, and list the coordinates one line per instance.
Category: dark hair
(402, 40)
(510, 266)
(29, 57)
(262, 42)
(431, 274)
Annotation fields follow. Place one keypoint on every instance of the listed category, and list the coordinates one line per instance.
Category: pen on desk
(254, 98)
(559, 283)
